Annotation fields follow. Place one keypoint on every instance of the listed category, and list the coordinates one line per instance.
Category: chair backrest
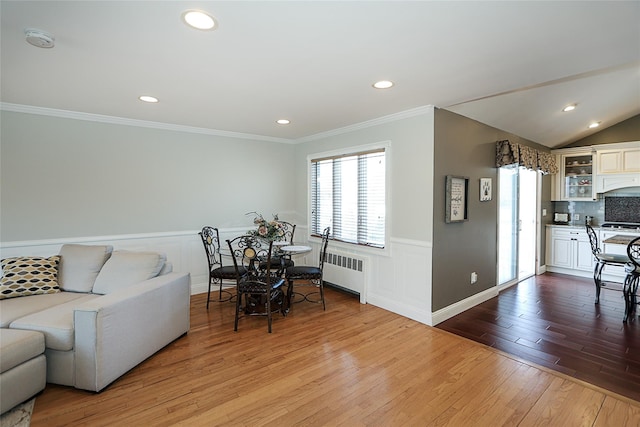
(289, 229)
(249, 251)
(593, 239)
(633, 251)
(211, 242)
(323, 247)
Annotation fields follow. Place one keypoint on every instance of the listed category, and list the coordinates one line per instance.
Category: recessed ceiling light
(383, 84)
(283, 122)
(147, 98)
(569, 107)
(199, 20)
(594, 125)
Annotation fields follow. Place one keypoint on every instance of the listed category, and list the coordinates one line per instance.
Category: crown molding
(76, 115)
(367, 124)
(44, 111)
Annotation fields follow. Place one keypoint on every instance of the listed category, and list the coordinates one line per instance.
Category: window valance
(513, 154)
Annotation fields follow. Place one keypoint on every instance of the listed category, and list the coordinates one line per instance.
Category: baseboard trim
(460, 306)
(412, 313)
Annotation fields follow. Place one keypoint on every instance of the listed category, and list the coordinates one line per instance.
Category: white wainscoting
(401, 282)
(398, 281)
(184, 249)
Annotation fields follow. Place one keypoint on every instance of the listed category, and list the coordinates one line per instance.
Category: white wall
(400, 276)
(66, 180)
(62, 178)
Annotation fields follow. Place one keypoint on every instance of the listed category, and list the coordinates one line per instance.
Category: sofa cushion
(166, 268)
(56, 323)
(80, 265)
(18, 347)
(15, 308)
(23, 276)
(125, 268)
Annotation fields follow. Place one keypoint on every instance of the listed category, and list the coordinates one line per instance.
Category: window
(348, 195)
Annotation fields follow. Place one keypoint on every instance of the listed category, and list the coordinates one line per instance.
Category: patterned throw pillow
(29, 276)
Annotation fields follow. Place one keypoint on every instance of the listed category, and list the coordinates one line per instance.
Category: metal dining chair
(217, 272)
(632, 278)
(259, 290)
(279, 258)
(311, 274)
(602, 260)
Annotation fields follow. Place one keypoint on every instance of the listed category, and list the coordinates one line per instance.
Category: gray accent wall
(62, 177)
(465, 147)
(625, 131)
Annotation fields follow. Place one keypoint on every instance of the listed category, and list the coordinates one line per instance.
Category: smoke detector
(39, 38)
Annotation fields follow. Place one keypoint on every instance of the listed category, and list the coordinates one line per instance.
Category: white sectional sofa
(23, 367)
(109, 311)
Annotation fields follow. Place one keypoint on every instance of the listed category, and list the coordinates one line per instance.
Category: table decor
(268, 230)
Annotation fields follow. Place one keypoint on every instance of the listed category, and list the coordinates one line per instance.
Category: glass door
(527, 210)
(517, 217)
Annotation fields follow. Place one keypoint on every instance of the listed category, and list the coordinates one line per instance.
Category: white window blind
(348, 195)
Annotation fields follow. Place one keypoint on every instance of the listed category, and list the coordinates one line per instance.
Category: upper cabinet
(618, 166)
(583, 172)
(574, 180)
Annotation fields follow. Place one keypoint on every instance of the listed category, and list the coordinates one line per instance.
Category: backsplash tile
(595, 209)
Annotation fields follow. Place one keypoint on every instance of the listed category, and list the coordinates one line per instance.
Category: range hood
(614, 181)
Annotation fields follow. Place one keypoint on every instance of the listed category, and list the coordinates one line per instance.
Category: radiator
(347, 271)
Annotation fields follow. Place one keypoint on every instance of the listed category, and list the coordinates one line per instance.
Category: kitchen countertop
(628, 231)
(577, 226)
(619, 240)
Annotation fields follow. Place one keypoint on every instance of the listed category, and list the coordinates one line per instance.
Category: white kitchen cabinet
(623, 160)
(569, 248)
(574, 180)
(618, 166)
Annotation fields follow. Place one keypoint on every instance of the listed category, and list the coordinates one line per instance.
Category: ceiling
(512, 65)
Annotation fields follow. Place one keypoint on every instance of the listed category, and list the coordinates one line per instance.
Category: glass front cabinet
(575, 179)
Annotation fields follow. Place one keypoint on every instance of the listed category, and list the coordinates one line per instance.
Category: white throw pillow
(124, 269)
(80, 265)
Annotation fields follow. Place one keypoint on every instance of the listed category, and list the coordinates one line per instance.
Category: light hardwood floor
(353, 365)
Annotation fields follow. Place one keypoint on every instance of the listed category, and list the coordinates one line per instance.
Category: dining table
(295, 249)
(284, 249)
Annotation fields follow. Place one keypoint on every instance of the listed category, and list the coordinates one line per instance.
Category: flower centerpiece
(268, 230)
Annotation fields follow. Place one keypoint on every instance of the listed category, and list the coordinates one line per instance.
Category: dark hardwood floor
(552, 320)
